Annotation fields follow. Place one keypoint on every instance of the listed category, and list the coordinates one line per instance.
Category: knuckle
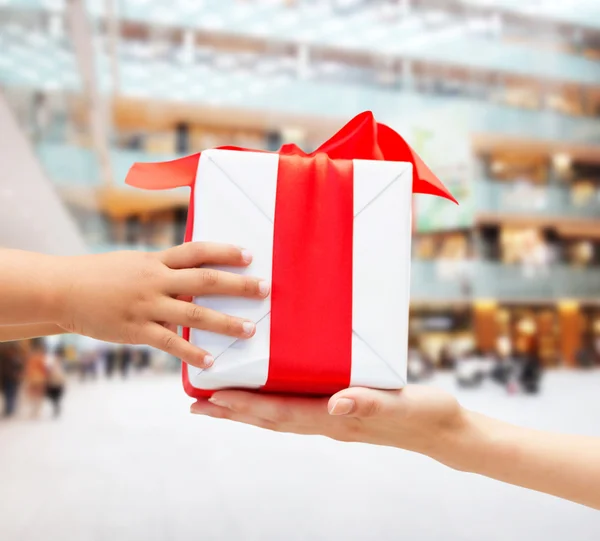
(210, 277)
(198, 249)
(147, 273)
(131, 334)
(169, 343)
(250, 286)
(349, 432)
(282, 415)
(195, 313)
(231, 324)
(242, 407)
(370, 407)
(268, 425)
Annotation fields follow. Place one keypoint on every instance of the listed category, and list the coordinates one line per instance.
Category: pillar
(570, 331)
(485, 325)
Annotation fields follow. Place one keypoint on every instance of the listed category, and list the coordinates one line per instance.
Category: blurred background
(501, 98)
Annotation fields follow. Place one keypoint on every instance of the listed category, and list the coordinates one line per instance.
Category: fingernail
(342, 406)
(246, 256)
(248, 327)
(218, 402)
(264, 288)
(208, 361)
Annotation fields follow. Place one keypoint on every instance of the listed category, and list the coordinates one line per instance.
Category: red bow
(362, 138)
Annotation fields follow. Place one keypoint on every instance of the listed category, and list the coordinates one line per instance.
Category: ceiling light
(498, 166)
(561, 161)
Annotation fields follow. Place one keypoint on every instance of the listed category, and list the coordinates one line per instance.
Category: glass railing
(585, 13)
(70, 165)
(336, 101)
(440, 281)
(74, 166)
(23, 66)
(443, 281)
(513, 282)
(364, 30)
(579, 12)
(518, 198)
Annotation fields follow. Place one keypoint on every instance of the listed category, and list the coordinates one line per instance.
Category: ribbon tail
(395, 148)
(164, 175)
(426, 182)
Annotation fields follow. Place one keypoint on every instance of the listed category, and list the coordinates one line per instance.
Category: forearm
(31, 287)
(566, 466)
(32, 330)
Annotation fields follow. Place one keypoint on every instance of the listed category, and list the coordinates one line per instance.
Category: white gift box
(235, 201)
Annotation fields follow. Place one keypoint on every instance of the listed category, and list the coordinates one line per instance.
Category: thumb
(361, 402)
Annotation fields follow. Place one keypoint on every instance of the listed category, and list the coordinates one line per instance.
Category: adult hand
(430, 422)
(140, 298)
(417, 418)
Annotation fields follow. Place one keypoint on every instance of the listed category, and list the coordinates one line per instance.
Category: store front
(441, 333)
(532, 329)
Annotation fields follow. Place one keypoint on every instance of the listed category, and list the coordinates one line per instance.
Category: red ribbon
(311, 302)
(362, 138)
(311, 299)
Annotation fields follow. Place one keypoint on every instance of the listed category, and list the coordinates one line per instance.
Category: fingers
(276, 409)
(187, 314)
(168, 341)
(198, 282)
(195, 254)
(211, 410)
(361, 402)
(205, 407)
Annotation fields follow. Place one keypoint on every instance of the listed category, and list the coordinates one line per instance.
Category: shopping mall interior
(512, 131)
(500, 98)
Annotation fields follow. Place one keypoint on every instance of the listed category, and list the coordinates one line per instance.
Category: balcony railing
(494, 280)
(444, 281)
(75, 167)
(525, 199)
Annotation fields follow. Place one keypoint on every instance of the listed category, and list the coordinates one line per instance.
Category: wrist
(477, 442)
(55, 294)
(462, 445)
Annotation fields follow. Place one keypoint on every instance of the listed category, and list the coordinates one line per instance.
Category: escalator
(32, 216)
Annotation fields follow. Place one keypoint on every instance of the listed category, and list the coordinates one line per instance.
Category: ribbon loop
(362, 138)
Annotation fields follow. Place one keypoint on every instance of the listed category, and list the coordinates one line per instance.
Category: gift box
(331, 231)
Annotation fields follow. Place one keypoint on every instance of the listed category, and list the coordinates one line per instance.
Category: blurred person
(36, 376)
(586, 356)
(56, 381)
(431, 422)
(145, 358)
(530, 373)
(110, 361)
(89, 357)
(11, 375)
(42, 116)
(504, 363)
(419, 367)
(471, 369)
(447, 357)
(126, 297)
(126, 360)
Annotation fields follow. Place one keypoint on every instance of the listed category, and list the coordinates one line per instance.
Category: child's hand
(139, 298)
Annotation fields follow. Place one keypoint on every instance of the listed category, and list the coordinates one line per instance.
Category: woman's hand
(140, 298)
(430, 422)
(420, 419)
